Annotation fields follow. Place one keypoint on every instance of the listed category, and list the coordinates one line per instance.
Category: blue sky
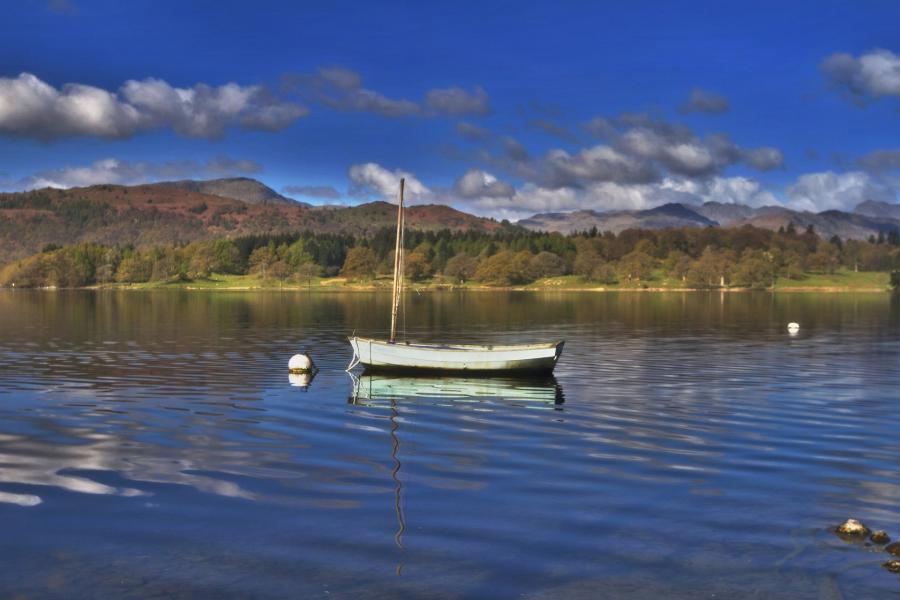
(502, 108)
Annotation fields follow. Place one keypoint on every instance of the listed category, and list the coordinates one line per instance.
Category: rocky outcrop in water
(880, 537)
(893, 548)
(852, 528)
(892, 565)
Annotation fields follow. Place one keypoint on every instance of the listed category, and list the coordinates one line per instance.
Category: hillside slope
(172, 214)
(244, 189)
(662, 217)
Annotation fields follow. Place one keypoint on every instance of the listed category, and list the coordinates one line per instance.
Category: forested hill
(181, 212)
(177, 213)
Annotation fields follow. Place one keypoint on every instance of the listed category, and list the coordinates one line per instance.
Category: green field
(843, 279)
(839, 281)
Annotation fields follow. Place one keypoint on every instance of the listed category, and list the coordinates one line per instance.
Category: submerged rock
(852, 527)
(892, 565)
(893, 548)
(880, 537)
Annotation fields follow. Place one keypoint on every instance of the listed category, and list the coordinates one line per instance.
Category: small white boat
(406, 356)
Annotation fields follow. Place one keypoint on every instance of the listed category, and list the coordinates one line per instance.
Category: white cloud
(764, 158)
(872, 75)
(640, 150)
(32, 108)
(880, 160)
(340, 88)
(682, 153)
(828, 190)
(123, 172)
(705, 101)
(371, 177)
(736, 190)
(598, 163)
(205, 111)
(472, 132)
(610, 195)
(222, 166)
(526, 201)
(689, 158)
(480, 184)
(482, 193)
(320, 192)
(456, 101)
(600, 127)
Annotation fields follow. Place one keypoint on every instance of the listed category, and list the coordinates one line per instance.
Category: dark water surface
(152, 445)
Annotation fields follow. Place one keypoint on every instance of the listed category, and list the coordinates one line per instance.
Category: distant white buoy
(793, 327)
(301, 363)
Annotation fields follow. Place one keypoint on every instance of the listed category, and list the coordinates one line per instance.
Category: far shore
(843, 281)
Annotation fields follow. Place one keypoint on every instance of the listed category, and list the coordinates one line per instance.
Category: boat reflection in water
(528, 392)
(388, 391)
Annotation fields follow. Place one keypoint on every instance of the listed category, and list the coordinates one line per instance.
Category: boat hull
(381, 355)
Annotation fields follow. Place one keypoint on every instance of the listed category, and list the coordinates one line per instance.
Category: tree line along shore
(690, 258)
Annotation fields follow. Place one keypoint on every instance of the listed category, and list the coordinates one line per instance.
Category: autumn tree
(708, 270)
(308, 271)
(753, 270)
(789, 265)
(824, 259)
(134, 269)
(360, 263)
(461, 267)
(416, 266)
(280, 270)
(167, 264)
(677, 264)
(546, 264)
(262, 259)
(636, 265)
(586, 261)
(505, 268)
(296, 254)
(604, 272)
(226, 257)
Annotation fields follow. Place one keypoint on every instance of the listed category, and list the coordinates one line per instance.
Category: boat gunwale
(460, 347)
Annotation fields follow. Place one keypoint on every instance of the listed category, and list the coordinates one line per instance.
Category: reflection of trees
(183, 317)
(685, 355)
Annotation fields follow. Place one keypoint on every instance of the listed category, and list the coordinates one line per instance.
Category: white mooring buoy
(793, 327)
(300, 380)
(301, 363)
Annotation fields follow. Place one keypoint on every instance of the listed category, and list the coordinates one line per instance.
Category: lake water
(152, 445)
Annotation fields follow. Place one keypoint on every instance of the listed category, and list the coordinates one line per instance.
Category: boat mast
(398, 265)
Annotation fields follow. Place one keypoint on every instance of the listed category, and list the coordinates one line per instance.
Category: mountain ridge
(244, 189)
(155, 214)
(872, 219)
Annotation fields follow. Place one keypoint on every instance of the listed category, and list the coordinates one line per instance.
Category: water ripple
(685, 439)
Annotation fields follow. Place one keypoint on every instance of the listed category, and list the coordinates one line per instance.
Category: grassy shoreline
(841, 281)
